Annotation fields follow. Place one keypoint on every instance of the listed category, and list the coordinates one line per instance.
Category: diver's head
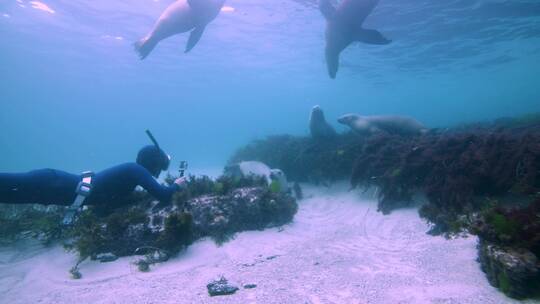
(153, 159)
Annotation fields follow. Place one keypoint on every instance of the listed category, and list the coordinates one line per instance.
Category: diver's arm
(160, 192)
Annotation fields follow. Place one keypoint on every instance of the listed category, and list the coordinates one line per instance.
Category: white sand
(338, 250)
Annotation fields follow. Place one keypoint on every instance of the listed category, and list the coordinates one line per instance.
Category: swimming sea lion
(318, 126)
(392, 124)
(180, 17)
(344, 26)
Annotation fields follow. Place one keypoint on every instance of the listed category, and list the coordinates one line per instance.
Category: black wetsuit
(49, 186)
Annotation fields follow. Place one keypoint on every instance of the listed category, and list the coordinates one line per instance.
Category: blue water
(74, 95)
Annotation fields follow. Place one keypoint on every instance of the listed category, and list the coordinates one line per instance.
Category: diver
(110, 186)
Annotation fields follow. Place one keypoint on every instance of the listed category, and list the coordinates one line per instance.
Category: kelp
(304, 159)
(455, 168)
(452, 168)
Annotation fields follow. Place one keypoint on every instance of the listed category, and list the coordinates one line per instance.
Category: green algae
(275, 187)
(504, 282)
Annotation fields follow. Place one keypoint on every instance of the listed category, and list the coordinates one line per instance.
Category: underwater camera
(182, 167)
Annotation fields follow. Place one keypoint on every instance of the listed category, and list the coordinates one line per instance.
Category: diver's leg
(44, 186)
(12, 188)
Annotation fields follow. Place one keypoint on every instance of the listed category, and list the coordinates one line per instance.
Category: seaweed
(455, 168)
(177, 233)
(204, 185)
(31, 221)
(88, 236)
(503, 282)
(510, 226)
(123, 232)
(304, 159)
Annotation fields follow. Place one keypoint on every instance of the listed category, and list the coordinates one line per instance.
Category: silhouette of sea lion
(392, 124)
(318, 126)
(344, 26)
(180, 17)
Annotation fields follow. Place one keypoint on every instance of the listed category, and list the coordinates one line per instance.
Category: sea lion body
(392, 124)
(258, 169)
(180, 17)
(249, 169)
(344, 26)
(318, 126)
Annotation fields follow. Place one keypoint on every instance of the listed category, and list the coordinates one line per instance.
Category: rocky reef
(462, 171)
(305, 159)
(458, 169)
(509, 248)
(208, 208)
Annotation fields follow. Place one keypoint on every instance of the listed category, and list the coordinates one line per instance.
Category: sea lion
(344, 26)
(392, 124)
(258, 169)
(249, 169)
(279, 177)
(318, 126)
(180, 17)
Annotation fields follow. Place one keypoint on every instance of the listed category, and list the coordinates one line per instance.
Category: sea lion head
(317, 114)
(276, 173)
(348, 119)
(357, 123)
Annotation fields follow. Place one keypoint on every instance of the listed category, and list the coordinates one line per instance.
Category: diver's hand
(181, 182)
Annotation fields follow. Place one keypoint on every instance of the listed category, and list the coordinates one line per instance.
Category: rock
(75, 273)
(142, 265)
(159, 256)
(514, 271)
(250, 208)
(221, 287)
(167, 230)
(106, 257)
(250, 286)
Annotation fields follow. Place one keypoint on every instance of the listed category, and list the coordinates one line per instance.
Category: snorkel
(153, 158)
(152, 138)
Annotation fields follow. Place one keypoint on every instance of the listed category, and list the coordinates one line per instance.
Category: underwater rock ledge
(509, 248)
(459, 170)
(515, 271)
(208, 208)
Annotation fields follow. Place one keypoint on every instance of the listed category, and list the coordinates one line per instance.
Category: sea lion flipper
(327, 9)
(194, 3)
(370, 36)
(332, 62)
(194, 37)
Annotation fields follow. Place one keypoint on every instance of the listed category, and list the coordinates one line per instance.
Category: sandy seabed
(337, 250)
